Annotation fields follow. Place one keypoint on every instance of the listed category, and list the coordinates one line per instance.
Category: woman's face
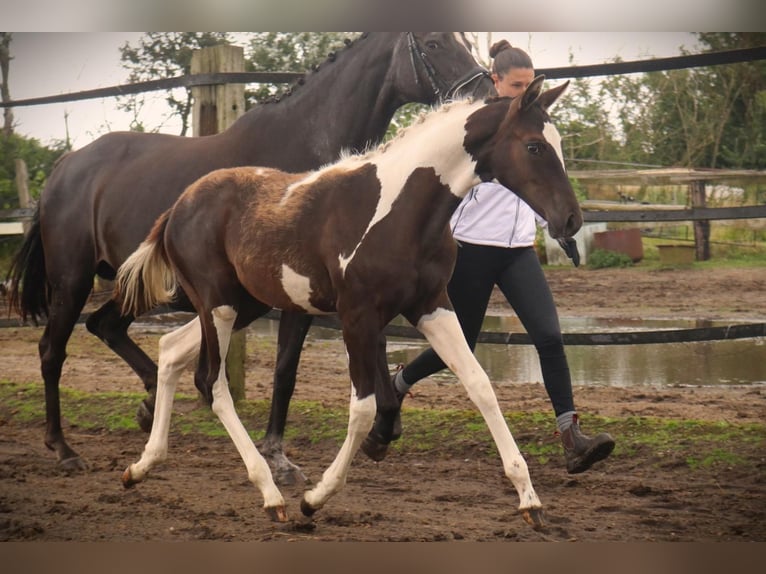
(514, 82)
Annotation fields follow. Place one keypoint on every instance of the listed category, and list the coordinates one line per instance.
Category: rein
(417, 53)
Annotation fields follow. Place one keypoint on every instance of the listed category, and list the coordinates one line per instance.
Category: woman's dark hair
(504, 57)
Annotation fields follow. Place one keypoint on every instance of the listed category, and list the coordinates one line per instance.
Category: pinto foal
(366, 238)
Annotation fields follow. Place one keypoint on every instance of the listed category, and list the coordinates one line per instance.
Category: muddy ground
(455, 492)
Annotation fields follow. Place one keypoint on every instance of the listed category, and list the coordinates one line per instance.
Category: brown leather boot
(582, 451)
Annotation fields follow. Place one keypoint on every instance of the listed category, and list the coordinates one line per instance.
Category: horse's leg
(443, 332)
(177, 350)
(361, 344)
(111, 327)
(293, 328)
(223, 406)
(65, 307)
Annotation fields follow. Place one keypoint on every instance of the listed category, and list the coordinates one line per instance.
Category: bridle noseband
(418, 55)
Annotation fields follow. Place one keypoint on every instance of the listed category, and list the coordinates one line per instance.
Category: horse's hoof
(276, 513)
(127, 479)
(73, 464)
(533, 517)
(307, 509)
(289, 476)
(144, 417)
(374, 447)
(304, 524)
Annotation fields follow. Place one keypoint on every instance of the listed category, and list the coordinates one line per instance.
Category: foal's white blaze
(298, 288)
(553, 137)
(441, 136)
(443, 332)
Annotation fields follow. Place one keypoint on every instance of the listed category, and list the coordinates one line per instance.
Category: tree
(741, 141)
(582, 118)
(288, 52)
(164, 55)
(699, 117)
(5, 92)
(39, 160)
(168, 54)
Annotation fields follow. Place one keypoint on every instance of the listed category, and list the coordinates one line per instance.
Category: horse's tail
(146, 280)
(29, 290)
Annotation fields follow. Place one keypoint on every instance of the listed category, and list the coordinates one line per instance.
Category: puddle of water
(740, 362)
(734, 362)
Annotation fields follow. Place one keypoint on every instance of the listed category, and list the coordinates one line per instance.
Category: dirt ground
(452, 493)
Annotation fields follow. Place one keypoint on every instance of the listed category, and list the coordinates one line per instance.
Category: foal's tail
(28, 291)
(146, 280)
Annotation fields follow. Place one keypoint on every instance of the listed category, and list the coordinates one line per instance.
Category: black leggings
(518, 274)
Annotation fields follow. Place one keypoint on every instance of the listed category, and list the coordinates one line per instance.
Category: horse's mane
(427, 113)
(331, 57)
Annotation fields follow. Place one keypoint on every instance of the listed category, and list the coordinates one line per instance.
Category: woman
(495, 231)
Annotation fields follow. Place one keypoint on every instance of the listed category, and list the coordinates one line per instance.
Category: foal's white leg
(443, 332)
(223, 406)
(177, 350)
(360, 417)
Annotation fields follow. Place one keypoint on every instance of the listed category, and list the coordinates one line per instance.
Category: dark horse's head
(515, 142)
(442, 66)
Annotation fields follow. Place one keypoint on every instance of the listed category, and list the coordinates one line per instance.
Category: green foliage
(164, 55)
(582, 118)
(601, 258)
(699, 117)
(287, 52)
(168, 54)
(403, 117)
(39, 160)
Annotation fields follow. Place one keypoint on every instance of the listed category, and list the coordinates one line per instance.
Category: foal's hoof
(307, 509)
(533, 517)
(127, 479)
(144, 416)
(276, 513)
(374, 447)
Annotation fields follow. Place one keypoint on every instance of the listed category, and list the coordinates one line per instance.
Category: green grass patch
(697, 444)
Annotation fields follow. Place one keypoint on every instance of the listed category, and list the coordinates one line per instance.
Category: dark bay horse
(366, 238)
(101, 201)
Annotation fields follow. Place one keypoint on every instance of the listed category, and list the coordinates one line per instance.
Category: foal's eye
(535, 148)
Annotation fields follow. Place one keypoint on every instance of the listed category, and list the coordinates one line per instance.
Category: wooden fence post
(701, 227)
(22, 187)
(215, 109)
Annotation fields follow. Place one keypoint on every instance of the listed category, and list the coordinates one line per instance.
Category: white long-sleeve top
(491, 214)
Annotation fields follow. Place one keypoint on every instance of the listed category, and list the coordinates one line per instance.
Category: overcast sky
(47, 64)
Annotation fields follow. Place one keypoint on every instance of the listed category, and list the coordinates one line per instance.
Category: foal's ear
(532, 92)
(548, 97)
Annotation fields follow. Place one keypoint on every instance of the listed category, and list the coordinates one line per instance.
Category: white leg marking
(443, 332)
(177, 350)
(223, 406)
(361, 416)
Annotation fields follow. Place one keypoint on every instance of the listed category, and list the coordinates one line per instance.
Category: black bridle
(418, 55)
